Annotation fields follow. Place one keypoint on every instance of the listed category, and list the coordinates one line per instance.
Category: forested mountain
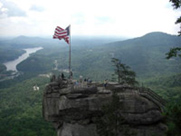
(91, 57)
(20, 110)
(145, 55)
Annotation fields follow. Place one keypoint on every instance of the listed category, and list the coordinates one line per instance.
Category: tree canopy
(123, 73)
(174, 52)
(176, 4)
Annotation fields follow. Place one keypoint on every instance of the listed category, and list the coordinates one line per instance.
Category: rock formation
(75, 109)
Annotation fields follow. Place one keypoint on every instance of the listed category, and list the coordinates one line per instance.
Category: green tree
(110, 124)
(172, 113)
(174, 52)
(2, 68)
(123, 73)
(176, 4)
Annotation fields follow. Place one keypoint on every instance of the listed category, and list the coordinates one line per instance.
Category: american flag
(61, 33)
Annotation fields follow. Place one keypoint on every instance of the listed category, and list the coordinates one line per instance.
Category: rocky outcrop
(74, 110)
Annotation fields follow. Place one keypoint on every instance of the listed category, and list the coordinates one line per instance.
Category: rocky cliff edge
(74, 109)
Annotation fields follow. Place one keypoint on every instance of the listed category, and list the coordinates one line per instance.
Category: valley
(21, 105)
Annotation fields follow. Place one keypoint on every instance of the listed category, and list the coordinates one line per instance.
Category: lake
(11, 65)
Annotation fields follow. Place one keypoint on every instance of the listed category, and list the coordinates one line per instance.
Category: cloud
(90, 17)
(37, 8)
(10, 9)
(78, 18)
(103, 20)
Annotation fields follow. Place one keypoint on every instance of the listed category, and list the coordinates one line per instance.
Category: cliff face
(74, 110)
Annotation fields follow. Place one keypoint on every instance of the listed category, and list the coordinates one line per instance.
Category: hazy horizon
(83, 36)
(108, 18)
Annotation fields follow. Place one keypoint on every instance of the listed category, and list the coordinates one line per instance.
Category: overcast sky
(129, 18)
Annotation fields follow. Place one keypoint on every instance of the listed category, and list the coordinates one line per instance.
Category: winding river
(11, 65)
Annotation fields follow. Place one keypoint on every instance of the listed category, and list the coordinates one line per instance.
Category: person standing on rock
(76, 84)
(71, 75)
(53, 78)
(105, 83)
(85, 82)
(81, 80)
(62, 76)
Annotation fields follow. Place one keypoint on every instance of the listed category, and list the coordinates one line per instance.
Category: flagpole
(70, 53)
(60, 34)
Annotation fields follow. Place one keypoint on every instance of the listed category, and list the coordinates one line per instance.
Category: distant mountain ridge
(26, 41)
(148, 51)
(145, 55)
(34, 41)
(151, 39)
(92, 57)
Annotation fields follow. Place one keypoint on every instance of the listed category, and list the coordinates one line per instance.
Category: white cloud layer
(87, 17)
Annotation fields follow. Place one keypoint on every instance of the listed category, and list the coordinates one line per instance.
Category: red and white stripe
(61, 33)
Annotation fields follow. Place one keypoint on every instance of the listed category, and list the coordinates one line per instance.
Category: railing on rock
(146, 92)
(126, 90)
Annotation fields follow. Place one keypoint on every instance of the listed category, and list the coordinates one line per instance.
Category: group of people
(78, 83)
(82, 82)
(88, 80)
(53, 78)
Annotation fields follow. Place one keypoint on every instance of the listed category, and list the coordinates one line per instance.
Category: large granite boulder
(74, 111)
